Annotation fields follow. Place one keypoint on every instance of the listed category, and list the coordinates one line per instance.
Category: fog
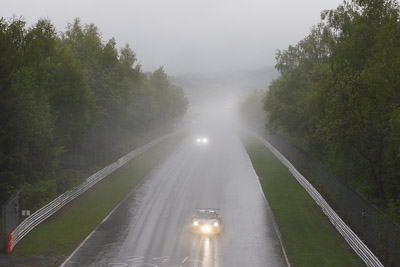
(187, 36)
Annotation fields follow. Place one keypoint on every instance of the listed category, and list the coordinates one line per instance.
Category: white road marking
(187, 257)
(84, 241)
(163, 259)
(135, 258)
(144, 264)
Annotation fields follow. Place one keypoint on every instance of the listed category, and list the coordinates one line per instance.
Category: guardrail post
(10, 212)
(10, 243)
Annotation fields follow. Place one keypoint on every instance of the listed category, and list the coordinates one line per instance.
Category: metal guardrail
(46, 211)
(352, 239)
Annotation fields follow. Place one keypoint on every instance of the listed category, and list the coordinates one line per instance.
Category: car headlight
(198, 140)
(195, 223)
(205, 140)
(206, 228)
(216, 224)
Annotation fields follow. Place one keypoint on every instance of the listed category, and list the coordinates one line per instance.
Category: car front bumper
(206, 229)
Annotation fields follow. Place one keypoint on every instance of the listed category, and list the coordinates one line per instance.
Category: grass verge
(62, 233)
(308, 236)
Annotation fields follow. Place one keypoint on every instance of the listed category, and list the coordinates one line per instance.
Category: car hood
(207, 221)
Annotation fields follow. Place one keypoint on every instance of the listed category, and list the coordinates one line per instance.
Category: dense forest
(71, 103)
(338, 97)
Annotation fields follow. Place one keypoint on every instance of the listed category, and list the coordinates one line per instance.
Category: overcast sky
(187, 36)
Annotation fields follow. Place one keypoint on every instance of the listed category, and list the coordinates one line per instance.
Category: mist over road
(151, 227)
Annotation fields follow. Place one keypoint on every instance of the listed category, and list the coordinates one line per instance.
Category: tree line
(338, 97)
(71, 102)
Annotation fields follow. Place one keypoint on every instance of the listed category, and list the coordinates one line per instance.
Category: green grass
(308, 236)
(66, 230)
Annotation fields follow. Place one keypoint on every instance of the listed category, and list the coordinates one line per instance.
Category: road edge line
(95, 229)
(278, 233)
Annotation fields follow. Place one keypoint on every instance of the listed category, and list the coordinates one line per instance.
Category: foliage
(338, 96)
(70, 103)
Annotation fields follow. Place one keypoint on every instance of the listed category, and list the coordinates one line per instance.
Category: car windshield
(206, 215)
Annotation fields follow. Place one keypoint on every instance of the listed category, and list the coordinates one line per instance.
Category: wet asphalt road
(151, 227)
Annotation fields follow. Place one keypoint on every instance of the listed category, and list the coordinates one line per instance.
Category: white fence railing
(352, 239)
(46, 211)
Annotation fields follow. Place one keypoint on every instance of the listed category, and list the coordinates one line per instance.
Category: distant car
(201, 140)
(206, 221)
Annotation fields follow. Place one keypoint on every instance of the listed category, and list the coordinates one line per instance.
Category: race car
(206, 221)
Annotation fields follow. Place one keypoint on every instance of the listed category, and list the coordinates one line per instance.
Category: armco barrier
(46, 211)
(352, 239)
